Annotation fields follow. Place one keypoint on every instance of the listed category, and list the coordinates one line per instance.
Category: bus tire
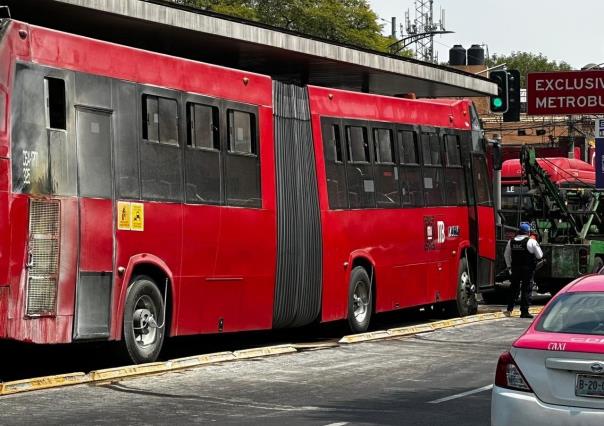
(360, 300)
(143, 320)
(598, 265)
(465, 301)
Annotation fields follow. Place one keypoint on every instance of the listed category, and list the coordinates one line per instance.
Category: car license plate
(587, 385)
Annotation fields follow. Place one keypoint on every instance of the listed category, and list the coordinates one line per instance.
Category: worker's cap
(524, 228)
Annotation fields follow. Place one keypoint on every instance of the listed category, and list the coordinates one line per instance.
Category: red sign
(572, 92)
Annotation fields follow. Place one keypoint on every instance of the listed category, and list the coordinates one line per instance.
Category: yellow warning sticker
(137, 215)
(123, 215)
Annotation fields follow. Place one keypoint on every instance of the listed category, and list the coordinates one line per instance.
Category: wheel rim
(144, 323)
(360, 301)
(464, 281)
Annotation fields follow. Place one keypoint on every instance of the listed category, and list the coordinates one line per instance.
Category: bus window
(202, 126)
(126, 144)
(161, 158)
(455, 185)
(358, 145)
(56, 103)
(433, 170)
(386, 173)
(481, 181)
(361, 187)
(410, 169)
(241, 135)
(242, 162)
(160, 120)
(202, 160)
(334, 166)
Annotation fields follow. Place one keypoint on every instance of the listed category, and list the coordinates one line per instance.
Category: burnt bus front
(5, 73)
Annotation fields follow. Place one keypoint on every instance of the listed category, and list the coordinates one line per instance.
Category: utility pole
(571, 138)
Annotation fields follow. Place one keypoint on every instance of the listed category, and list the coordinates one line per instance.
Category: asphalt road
(437, 378)
(23, 360)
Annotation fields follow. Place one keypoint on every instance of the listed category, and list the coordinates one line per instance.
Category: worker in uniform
(521, 256)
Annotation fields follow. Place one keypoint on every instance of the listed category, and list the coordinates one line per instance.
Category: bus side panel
(200, 242)
(96, 249)
(4, 223)
(245, 273)
(4, 293)
(73, 52)
(486, 232)
(160, 236)
(244, 276)
(45, 329)
(336, 253)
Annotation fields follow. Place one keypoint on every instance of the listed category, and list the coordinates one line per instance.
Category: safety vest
(521, 257)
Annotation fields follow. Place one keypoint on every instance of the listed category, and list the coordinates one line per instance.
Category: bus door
(481, 216)
(95, 198)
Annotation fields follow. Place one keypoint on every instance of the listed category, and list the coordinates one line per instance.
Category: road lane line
(337, 424)
(461, 395)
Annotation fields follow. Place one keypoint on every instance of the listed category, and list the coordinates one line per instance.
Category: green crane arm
(535, 173)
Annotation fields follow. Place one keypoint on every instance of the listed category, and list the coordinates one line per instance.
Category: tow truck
(557, 196)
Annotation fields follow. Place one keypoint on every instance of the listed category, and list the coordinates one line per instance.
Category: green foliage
(527, 62)
(343, 21)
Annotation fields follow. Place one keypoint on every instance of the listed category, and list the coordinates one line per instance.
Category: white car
(554, 373)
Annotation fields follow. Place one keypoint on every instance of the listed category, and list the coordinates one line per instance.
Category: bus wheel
(598, 265)
(360, 305)
(143, 320)
(466, 303)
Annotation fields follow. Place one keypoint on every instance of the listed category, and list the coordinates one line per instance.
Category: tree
(526, 62)
(343, 21)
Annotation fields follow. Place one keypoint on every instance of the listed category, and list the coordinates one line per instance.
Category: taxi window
(575, 313)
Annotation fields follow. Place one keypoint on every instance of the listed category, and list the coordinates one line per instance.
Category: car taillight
(508, 374)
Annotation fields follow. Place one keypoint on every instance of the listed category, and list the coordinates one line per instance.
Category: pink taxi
(554, 373)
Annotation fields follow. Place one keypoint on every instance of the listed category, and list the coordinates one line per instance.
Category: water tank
(476, 55)
(457, 55)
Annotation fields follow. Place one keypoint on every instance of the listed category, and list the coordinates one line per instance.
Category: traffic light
(513, 112)
(499, 102)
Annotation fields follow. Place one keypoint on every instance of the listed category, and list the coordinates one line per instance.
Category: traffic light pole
(571, 138)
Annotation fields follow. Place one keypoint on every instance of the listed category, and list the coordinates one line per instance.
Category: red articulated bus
(145, 196)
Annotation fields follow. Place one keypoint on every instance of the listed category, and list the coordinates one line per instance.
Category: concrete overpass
(165, 27)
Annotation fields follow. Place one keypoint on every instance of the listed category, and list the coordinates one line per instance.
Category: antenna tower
(422, 29)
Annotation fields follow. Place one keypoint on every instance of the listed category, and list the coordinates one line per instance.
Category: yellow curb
(428, 327)
(364, 337)
(216, 357)
(121, 372)
(47, 382)
(179, 363)
(71, 379)
(270, 350)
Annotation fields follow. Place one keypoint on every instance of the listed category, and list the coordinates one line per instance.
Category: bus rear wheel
(465, 302)
(360, 300)
(143, 320)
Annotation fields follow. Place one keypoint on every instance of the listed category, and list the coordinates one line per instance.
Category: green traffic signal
(499, 102)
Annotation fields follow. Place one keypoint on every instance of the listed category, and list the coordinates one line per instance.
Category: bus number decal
(30, 158)
(429, 232)
(441, 231)
(453, 231)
